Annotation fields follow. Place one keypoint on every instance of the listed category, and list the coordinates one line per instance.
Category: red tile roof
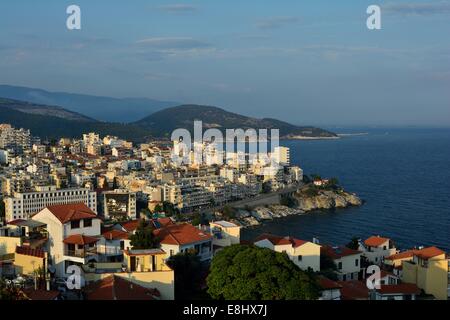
(428, 253)
(425, 253)
(130, 226)
(15, 222)
(117, 288)
(403, 288)
(337, 252)
(164, 222)
(40, 294)
(375, 241)
(28, 251)
(354, 290)
(327, 284)
(72, 212)
(401, 255)
(278, 241)
(80, 239)
(181, 234)
(115, 235)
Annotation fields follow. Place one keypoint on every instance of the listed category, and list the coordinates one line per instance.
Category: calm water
(403, 174)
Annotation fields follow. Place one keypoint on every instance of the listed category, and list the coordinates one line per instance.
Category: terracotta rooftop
(181, 234)
(115, 235)
(117, 288)
(278, 241)
(40, 294)
(401, 255)
(375, 241)
(405, 288)
(327, 284)
(428, 253)
(80, 239)
(28, 251)
(337, 252)
(130, 226)
(354, 290)
(15, 222)
(72, 212)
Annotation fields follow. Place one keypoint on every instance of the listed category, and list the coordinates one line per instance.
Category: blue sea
(402, 174)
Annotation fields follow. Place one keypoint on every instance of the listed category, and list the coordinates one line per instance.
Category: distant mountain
(101, 108)
(49, 122)
(43, 110)
(163, 122)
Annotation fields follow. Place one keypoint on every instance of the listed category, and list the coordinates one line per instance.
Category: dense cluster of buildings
(111, 175)
(77, 203)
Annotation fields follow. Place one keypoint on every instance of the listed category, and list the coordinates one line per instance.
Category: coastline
(324, 200)
(309, 138)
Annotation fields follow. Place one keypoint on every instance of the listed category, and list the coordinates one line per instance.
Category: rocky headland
(309, 199)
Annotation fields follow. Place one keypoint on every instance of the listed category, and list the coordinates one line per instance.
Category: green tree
(189, 273)
(144, 237)
(146, 213)
(250, 273)
(353, 244)
(228, 212)
(169, 209)
(328, 267)
(196, 219)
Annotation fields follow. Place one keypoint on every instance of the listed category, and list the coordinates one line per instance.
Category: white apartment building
(73, 233)
(305, 254)
(377, 248)
(16, 140)
(348, 261)
(24, 205)
(282, 156)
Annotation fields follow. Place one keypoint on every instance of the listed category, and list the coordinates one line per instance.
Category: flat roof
(225, 224)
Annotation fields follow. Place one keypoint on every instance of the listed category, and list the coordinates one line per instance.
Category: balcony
(81, 253)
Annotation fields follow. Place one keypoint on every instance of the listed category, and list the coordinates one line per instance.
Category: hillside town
(117, 215)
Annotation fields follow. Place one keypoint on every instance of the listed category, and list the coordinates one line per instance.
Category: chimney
(316, 240)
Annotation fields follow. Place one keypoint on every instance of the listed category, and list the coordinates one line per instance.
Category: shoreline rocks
(307, 199)
(326, 199)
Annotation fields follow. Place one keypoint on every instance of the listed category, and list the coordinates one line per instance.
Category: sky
(306, 62)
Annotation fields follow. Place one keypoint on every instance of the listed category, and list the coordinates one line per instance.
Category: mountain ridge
(101, 108)
(55, 122)
(183, 116)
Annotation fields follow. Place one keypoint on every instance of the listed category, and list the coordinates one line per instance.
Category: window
(122, 245)
(357, 262)
(300, 258)
(74, 224)
(87, 223)
(340, 266)
(384, 248)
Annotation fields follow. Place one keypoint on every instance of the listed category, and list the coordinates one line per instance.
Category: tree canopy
(353, 244)
(188, 275)
(250, 273)
(143, 237)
